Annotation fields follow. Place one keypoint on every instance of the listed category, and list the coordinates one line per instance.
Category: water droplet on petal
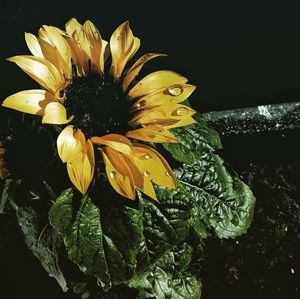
(175, 90)
(113, 174)
(140, 104)
(147, 157)
(146, 173)
(167, 173)
(181, 111)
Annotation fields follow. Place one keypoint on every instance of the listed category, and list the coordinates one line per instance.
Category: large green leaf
(103, 243)
(165, 223)
(220, 204)
(194, 140)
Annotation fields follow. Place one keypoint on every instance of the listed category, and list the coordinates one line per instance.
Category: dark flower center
(99, 105)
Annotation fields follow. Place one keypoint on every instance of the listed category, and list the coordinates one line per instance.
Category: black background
(238, 55)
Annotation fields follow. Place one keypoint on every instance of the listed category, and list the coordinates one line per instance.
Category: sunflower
(3, 169)
(102, 106)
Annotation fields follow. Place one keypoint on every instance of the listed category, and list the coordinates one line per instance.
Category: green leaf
(194, 140)
(170, 277)
(5, 197)
(102, 243)
(41, 239)
(220, 204)
(82, 234)
(60, 214)
(166, 222)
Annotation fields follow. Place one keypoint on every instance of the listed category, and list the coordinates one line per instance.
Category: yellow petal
(79, 57)
(56, 114)
(70, 143)
(93, 45)
(153, 133)
(154, 166)
(31, 101)
(118, 173)
(174, 94)
(135, 69)
(115, 141)
(33, 45)
(180, 123)
(41, 70)
(163, 114)
(73, 26)
(141, 182)
(154, 81)
(53, 36)
(123, 46)
(81, 168)
(51, 54)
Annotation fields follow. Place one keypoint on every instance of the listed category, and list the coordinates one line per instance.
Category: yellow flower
(3, 170)
(84, 82)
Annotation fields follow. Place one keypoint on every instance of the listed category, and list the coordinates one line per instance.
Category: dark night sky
(237, 55)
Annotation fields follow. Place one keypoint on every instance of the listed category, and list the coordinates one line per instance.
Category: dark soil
(264, 263)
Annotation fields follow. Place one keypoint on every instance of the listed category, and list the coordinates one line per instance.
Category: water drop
(175, 90)
(113, 174)
(167, 173)
(147, 157)
(140, 104)
(146, 173)
(181, 111)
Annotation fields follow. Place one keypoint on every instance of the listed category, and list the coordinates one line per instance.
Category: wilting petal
(53, 36)
(70, 143)
(81, 168)
(91, 42)
(115, 141)
(154, 81)
(3, 170)
(153, 166)
(118, 173)
(123, 46)
(163, 114)
(174, 94)
(56, 114)
(41, 70)
(33, 45)
(141, 182)
(135, 69)
(31, 101)
(153, 133)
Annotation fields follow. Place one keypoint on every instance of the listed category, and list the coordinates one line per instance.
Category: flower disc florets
(99, 104)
